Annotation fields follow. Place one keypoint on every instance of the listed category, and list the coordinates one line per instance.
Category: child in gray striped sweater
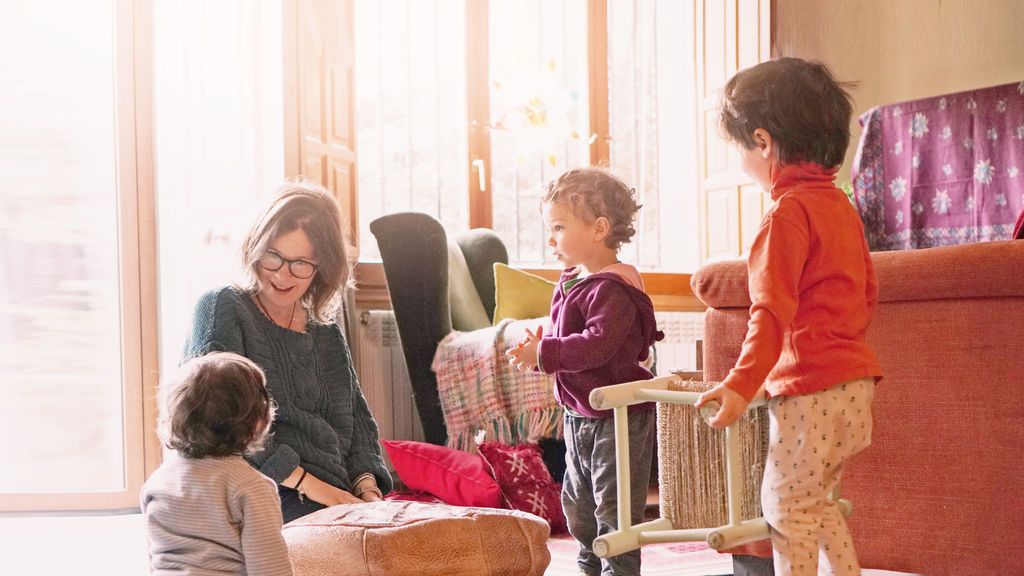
(207, 510)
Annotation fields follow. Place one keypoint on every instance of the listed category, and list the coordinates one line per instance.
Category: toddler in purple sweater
(603, 327)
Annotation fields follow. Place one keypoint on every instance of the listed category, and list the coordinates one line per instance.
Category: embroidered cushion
(525, 482)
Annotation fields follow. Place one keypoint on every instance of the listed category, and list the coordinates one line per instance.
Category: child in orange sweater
(813, 293)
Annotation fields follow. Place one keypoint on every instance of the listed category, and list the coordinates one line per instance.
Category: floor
(679, 559)
(88, 545)
(116, 546)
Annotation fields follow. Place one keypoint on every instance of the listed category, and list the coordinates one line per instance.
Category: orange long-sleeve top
(812, 290)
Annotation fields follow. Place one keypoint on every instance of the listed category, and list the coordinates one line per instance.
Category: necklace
(291, 317)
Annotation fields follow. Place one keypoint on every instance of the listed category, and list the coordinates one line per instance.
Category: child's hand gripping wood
(523, 356)
(721, 406)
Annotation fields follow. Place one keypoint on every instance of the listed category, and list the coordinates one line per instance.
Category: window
(529, 91)
(411, 112)
(633, 119)
(218, 109)
(71, 254)
(539, 113)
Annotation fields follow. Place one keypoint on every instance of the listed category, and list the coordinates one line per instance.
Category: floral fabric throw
(942, 170)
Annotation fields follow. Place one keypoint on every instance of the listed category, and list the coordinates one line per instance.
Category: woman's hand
(732, 405)
(319, 491)
(523, 356)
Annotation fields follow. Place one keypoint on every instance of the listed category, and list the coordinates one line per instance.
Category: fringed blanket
(481, 392)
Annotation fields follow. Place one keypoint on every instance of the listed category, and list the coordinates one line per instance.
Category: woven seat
(395, 538)
(692, 479)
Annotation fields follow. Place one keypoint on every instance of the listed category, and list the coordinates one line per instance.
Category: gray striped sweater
(213, 516)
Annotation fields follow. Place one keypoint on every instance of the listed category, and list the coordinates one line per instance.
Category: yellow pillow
(520, 295)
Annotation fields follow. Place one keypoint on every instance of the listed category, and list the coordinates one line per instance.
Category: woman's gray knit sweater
(322, 422)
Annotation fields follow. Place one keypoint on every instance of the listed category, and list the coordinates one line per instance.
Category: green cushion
(467, 310)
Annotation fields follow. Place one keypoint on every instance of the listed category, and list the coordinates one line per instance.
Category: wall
(905, 49)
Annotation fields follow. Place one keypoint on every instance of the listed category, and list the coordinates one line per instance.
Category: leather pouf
(395, 538)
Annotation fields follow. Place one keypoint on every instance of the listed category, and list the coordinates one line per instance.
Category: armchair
(439, 284)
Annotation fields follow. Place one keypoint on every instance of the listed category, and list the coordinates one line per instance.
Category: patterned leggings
(811, 436)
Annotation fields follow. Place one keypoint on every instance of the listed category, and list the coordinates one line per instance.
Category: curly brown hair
(800, 103)
(218, 406)
(593, 193)
(301, 204)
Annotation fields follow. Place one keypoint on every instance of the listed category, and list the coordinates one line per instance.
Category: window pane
(220, 146)
(539, 112)
(60, 326)
(411, 112)
(633, 118)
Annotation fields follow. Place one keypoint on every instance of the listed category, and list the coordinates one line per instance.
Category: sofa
(940, 489)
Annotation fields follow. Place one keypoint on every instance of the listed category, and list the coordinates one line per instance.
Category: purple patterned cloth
(943, 170)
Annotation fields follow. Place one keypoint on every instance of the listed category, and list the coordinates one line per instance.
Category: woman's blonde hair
(302, 205)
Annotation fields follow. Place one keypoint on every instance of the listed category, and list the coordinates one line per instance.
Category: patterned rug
(676, 559)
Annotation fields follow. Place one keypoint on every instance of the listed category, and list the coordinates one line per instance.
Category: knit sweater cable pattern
(323, 422)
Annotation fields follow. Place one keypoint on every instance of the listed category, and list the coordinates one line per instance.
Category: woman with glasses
(324, 448)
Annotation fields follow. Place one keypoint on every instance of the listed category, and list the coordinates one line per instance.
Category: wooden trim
(147, 238)
(478, 113)
(369, 275)
(698, 87)
(597, 64)
(353, 185)
(669, 291)
(128, 189)
(371, 287)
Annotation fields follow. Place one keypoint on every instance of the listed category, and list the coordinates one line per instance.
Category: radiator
(384, 378)
(377, 354)
(679, 350)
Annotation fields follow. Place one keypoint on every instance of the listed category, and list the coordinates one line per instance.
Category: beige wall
(905, 49)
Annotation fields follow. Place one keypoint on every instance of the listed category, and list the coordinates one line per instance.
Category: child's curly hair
(218, 406)
(593, 193)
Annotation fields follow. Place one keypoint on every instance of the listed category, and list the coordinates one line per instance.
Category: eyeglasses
(301, 269)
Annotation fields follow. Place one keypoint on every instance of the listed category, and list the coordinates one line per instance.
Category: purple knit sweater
(601, 330)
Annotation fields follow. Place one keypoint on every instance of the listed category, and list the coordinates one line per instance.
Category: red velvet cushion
(525, 481)
(458, 478)
(411, 496)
